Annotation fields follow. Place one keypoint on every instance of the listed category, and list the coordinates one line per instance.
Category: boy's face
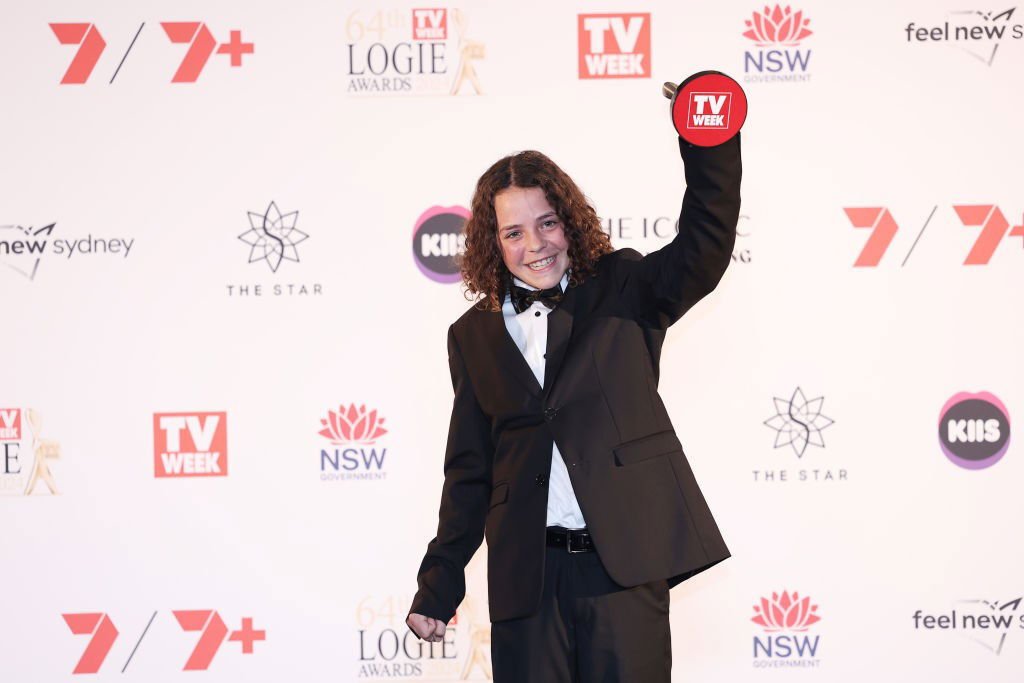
(531, 236)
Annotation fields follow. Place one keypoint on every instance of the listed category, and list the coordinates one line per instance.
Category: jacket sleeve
(464, 499)
(663, 285)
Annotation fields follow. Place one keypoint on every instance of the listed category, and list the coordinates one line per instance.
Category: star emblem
(273, 236)
(798, 422)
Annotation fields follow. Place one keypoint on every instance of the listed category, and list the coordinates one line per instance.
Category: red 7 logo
(214, 632)
(99, 625)
(92, 46)
(995, 226)
(202, 46)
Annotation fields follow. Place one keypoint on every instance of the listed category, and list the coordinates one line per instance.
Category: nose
(534, 240)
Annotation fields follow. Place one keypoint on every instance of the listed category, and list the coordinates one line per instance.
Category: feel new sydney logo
(23, 249)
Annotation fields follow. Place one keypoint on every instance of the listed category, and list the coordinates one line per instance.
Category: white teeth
(544, 263)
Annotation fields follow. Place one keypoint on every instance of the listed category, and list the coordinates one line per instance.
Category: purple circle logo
(974, 430)
(437, 241)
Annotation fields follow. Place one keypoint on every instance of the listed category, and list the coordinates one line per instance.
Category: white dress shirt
(529, 330)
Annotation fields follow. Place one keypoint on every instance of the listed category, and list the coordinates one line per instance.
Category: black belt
(570, 540)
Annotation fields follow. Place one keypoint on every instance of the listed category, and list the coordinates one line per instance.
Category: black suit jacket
(600, 403)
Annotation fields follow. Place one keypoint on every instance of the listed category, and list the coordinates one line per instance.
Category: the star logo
(798, 422)
(273, 236)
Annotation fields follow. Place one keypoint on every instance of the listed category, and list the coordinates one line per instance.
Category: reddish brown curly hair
(483, 268)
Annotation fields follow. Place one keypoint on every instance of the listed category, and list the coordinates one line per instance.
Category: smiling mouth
(542, 264)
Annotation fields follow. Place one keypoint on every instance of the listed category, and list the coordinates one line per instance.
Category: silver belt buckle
(568, 544)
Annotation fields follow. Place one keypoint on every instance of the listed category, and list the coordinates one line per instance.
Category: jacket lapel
(559, 331)
(507, 354)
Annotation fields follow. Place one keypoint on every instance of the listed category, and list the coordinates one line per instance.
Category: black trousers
(588, 629)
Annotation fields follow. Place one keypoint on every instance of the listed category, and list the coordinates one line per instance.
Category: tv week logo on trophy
(708, 110)
(190, 444)
(614, 45)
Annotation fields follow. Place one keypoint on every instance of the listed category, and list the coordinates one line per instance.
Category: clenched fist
(426, 628)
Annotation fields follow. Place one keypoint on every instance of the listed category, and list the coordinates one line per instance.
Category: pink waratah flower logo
(354, 425)
(788, 612)
(777, 26)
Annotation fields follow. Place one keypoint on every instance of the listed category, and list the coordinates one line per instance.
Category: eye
(550, 223)
(512, 234)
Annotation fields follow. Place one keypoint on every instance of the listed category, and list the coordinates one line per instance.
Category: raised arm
(666, 283)
(464, 500)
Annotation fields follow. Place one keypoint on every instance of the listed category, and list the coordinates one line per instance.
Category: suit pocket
(499, 494)
(646, 448)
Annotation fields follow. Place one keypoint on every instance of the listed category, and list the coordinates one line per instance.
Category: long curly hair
(483, 268)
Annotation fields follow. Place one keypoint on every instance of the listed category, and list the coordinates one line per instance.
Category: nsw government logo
(190, 444)
(787, 640)
(24, 455)
(974, 430)
(777, 33)
(438, 241)
(353, 433)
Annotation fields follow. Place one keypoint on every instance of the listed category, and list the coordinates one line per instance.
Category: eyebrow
(549, 214)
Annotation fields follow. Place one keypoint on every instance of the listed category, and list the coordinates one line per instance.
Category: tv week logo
(708, 110)
(430, 24)
(614, 45)
(190, 444)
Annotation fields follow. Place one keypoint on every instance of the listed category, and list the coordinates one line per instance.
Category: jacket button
(541, 480)
(550, 413)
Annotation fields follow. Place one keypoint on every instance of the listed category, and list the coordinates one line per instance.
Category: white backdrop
(882, 526)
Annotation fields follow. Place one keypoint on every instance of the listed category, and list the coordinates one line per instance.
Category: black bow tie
(523, 298)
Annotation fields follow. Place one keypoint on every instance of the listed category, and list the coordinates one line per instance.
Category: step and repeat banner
(227, 242)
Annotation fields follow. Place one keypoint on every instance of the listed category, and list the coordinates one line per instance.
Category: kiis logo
(201, 46)
(614, 45)
(780, 30)
(23, 457)
(190, 444)
(213, 633)
(986, 622)
(978, 33)
(974, 430)
(352, 427)
(786, 619)
(389, 650)
(22, 249)
(410, 53)
(879, 220)
(438, 241)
